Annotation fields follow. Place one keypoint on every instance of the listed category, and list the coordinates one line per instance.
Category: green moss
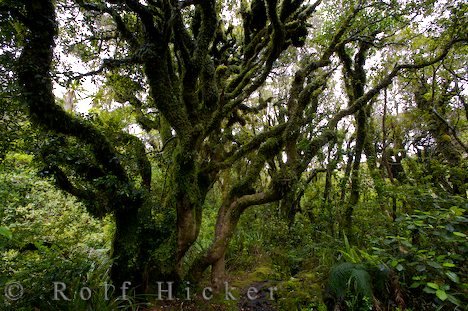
(300, 292)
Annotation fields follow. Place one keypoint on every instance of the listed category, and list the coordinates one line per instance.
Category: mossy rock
(265, 273)
(299, 292)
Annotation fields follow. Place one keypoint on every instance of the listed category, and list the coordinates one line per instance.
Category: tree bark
(355, 174)
(214, 256)
(125, 250)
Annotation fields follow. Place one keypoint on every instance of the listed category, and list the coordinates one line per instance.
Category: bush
(429, 251)
(50, 239)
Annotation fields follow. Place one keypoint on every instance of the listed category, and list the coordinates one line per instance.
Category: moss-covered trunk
(355, 81)
(447, 144)
(126, 266)
(355, 179)
(118, 197)
(214, 256)
(187, 194)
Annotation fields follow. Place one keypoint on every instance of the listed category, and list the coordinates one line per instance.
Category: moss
(445, 138)
(221, 70)
(298, 36)
(299, 292)
(263, 272)
(184, 177)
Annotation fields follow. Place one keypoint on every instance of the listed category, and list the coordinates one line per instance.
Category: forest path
(263, 294)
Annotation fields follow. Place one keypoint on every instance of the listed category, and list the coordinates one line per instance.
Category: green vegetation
(311, 155)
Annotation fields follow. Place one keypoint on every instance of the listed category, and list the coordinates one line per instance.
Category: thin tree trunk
(349, 166)
(355, 176)
(328, 185)
(385, 156)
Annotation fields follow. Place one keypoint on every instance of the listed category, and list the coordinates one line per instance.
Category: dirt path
(263, 300)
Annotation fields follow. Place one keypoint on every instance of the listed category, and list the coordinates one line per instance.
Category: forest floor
(262, 302)
(272, 292)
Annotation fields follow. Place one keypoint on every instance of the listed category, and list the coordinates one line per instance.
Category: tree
(190, 76)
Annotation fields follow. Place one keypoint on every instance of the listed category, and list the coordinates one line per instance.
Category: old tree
(240, 95)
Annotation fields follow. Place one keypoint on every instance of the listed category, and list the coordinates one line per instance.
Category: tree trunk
(355, 179)
(329, 186)
(444, 135)
(185, 196)
(125, 250)
(136, 237)
(214, 256)
(349, 166)
(218, 272)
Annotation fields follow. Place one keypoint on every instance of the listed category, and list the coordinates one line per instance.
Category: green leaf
(442, 295)
(448, 264)
(460, 234)
(429, 290)
(346, 242)
(434, 264)
(453, 300)
(415, 284)
(456, 210)
(432, 285)
(6, 232)
(453, 276)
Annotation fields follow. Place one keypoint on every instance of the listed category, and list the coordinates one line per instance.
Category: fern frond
(338, 280)
(360, 282)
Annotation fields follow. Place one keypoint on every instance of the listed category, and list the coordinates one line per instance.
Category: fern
(350, 253)
(355, 286)
(360, 283)
(338, 280)
(350, 277)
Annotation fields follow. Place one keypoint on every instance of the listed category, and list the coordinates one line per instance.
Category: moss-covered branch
(328, 133)
(34, 67)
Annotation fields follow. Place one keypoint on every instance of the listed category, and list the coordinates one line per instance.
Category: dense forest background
(316, 152)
